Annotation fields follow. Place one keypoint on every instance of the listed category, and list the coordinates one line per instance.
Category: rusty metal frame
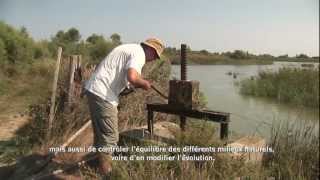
(214, 116)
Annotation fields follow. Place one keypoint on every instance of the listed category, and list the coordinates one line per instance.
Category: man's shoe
(105, 163)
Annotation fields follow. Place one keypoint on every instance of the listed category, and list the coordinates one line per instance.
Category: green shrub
(19, 47)
(99, 49)
(298, 86)
(3, 53)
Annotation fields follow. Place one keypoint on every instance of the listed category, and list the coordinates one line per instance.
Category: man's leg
(105, 126)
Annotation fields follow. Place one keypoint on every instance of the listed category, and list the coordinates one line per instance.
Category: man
(122, 67)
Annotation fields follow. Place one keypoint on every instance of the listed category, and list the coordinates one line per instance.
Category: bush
(298, 86)
(3, 52)
(19, 47)
(99, 50)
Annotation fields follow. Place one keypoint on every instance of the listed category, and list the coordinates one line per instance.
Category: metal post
(183, 73)
(183, 62)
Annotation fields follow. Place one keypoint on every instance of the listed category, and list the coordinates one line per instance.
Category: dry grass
(24, 85)
(297, 150)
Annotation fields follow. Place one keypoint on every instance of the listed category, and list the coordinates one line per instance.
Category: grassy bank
(237, 57)
(213, 59)
(297, 86)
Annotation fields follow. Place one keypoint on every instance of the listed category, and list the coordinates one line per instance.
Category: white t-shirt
(110, 77)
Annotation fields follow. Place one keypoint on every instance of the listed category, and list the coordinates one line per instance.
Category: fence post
(72, 68)
(54, 89)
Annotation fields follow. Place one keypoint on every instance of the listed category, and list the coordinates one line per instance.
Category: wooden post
(51, 155)
(75, 135)
(54, 89)
(79, 58)
(72, 68)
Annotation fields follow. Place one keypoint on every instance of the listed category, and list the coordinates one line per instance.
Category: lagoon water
(249, 115)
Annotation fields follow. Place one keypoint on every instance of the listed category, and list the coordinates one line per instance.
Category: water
(249, 115)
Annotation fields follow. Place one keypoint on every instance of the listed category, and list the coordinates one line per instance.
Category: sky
(274, 27)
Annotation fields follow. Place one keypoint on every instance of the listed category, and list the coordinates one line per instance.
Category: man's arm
(135, 79)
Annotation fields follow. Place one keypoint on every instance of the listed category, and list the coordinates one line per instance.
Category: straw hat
(156, 44)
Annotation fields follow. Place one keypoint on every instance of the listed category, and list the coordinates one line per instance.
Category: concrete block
(164, 132)
(249, 145)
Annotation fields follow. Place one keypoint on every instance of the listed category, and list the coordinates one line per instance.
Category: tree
(24, 31)
(94, 38)
(205, 52)
(100, 49)
(73, 35)
(266, 56)
(302, 56)
(116, 39)
(60, 35)
(67, 40)
(283, 56)
(239, 54)
(170, 51)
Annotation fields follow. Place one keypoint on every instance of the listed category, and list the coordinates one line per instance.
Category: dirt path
(9, 124)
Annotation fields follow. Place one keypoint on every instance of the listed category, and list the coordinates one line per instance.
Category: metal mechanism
(214, 116)
(159, 92)
(183, 62)
(183, 74)
(183, 101)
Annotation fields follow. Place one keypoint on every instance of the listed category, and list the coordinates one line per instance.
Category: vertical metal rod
(183, 73)
(183, 62)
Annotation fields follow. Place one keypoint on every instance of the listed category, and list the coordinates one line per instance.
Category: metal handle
(159, 92)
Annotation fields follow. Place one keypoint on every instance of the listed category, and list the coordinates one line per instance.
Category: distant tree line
(206, 57)
(17, 47)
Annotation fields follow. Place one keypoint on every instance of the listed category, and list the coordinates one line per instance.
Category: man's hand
(135, 79)
(147, 85)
